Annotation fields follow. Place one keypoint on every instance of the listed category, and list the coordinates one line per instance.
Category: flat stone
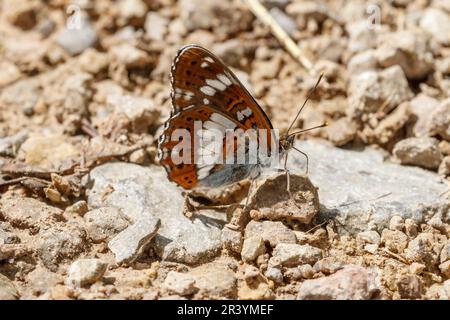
(440, 120)
(395, 241)
(291, 254)
(27, 213)
(273, 202)
(271, 232)
(128, 244)
(179, 283)
(145, 192)
(42, 280)
(408, 49)
(422, 107)
(252, 248)
(350, 283)
(58, 244)
(84, 272)
(77, 38)
(371, 237)
(215, 280)
(423, 152)
(409, 287)
(437, 23)
(104, 223)
(363, 192)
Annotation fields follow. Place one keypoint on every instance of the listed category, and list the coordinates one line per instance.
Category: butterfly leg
(306, 156)
(288, 178)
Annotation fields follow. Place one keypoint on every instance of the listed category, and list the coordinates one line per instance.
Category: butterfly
(206, 91)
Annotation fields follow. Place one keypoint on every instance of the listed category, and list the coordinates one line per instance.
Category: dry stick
(262, 14)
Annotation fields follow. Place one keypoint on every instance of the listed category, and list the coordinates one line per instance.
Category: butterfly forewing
(204, 89)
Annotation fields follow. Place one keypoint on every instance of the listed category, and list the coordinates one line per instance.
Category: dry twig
(262, 14)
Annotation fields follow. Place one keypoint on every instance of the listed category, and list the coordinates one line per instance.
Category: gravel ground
(86, 212)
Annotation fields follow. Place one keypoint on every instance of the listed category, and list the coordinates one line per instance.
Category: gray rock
(22, 95)
(425, 248)
(76, 39)
(423, 152)
(445, 252)
(139, 110)
(179, 283)
(231, 52)
(445, 268)
(104, 223)
(128, 244)
(409, 287)
(10, 145)
(395, 241)
(271, 232)
(291, 255)
(397, 223)
(350, 283)
(7, 289)
(423, 106)
(444, 167)
(215, 280)
(363, 193)
(408, 49)
(155, 26)
(85, 272)
(370, 90)
(57, 244)
(440, 120)
(27, 212)
(232, 239)
(145, 192)
(361, 62)
(369, 237)
(252, 248)
(439, 291)
(437, 23)
(41, 280)
(7, 237)
(250, 273)
(328, 265)
(274, 274)
(341, 131)
(411, 228)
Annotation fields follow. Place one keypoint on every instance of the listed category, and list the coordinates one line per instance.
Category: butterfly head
(286, 143)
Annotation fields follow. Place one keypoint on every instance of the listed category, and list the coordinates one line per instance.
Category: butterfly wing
(204, 89)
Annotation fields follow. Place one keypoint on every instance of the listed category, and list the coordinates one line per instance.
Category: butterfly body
(206, 93)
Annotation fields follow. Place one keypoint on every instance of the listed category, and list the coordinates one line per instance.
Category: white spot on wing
(205, 101)
(216, 117)
(216, 84)
(204, 172)
(240, 116)
(204, 64)
(209, 59)
(208, 90)
(224, 79)
(247, 112)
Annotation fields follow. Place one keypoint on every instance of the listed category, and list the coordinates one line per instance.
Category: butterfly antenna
(308, 129)
(304, 103)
